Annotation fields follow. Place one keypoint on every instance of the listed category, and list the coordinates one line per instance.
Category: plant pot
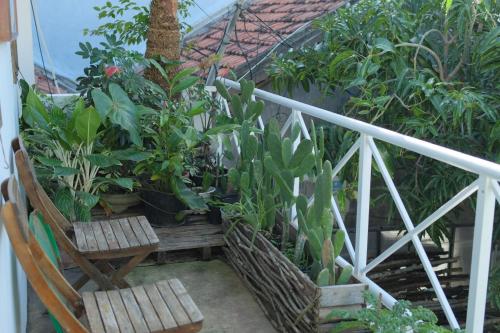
(214, 215)
(281, 288)
(161, 208)
(229, 198)
(120, 202)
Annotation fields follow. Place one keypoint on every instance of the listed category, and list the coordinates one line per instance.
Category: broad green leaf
(187, 196)
(103, 104)
(183, 85)
(64, 201)
(89, 200)
(127, 183)
(102, 161)
(87, 122)
(49, 161)
(65, 171)
(130, 155)
(384, 44)
(34, 112)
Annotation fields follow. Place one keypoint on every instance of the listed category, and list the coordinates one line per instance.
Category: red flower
(111, 70)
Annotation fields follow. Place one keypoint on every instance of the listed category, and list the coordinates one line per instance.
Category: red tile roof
(261, 25)
(47, 85)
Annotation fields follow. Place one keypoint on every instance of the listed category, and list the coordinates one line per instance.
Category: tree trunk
(163, 36)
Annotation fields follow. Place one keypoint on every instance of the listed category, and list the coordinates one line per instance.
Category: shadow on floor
(228, 307)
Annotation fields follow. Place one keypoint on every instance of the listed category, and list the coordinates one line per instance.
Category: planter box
(288, 297)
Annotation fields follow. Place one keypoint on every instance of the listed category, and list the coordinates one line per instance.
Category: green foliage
(316, 226)
(133, 31)
(64, 144)
(402, 318)
(494, 288)
(427, 69)
(170, 139)
(127, 65)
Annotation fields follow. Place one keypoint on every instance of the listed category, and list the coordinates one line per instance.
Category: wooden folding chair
(164, 306)
(94, 243)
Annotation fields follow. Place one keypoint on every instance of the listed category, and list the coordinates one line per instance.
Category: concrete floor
(228, 307)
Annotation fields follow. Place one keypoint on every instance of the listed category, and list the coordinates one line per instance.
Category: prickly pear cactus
(316, 225)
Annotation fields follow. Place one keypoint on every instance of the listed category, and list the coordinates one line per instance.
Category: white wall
(12, 281)
(13, 293)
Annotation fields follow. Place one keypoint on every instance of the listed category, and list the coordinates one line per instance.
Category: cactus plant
(316, 222)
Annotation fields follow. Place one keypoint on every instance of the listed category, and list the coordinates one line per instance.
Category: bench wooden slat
(173, 303)
(92, 311)
(129, 233)
(102, 244)
(139, 233)
(120, 312)
(148, 230)
(81, 242)
(119, 234)
(89, 236)
(134, 311)
(148, 311)
(106, 312)
(186, 300)
(160, 306)
(109, 235)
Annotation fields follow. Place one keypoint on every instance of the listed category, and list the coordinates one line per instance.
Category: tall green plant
(416, 67)
(63, 143)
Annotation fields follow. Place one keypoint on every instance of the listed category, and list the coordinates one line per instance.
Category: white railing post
(481, 250)
(296, 181)
(363, 204)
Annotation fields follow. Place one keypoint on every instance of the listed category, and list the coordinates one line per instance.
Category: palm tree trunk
(163, 35)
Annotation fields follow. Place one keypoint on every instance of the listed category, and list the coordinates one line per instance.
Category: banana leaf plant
(63, 143)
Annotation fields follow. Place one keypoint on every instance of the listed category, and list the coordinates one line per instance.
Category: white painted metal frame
(486, 185)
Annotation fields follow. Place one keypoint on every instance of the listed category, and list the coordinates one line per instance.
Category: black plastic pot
(214, 215)
(160, 207)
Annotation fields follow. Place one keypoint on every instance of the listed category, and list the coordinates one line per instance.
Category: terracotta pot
(120, 202)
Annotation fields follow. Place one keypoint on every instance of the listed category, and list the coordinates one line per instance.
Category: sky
(61, 25)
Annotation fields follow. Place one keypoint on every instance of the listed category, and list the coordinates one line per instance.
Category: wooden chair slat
(109, 235)
(119, 234)
(185, 299)
(139, 232)
(120, 312)
(133, 310)
(106, 312)
(148, 310)
(173, 303)
(129, 233)
(93, 315)
(102, 244)
(148, 230)
(166, 318)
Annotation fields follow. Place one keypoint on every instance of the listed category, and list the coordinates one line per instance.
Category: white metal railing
(486, 185)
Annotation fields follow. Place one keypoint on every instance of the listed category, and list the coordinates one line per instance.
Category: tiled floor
(228, 307)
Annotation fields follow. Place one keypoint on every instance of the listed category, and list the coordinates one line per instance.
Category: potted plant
(64, 145)
(120, 133)
(293, 275)
(170, 139)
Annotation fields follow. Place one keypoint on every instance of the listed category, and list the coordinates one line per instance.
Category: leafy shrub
(418, 68)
